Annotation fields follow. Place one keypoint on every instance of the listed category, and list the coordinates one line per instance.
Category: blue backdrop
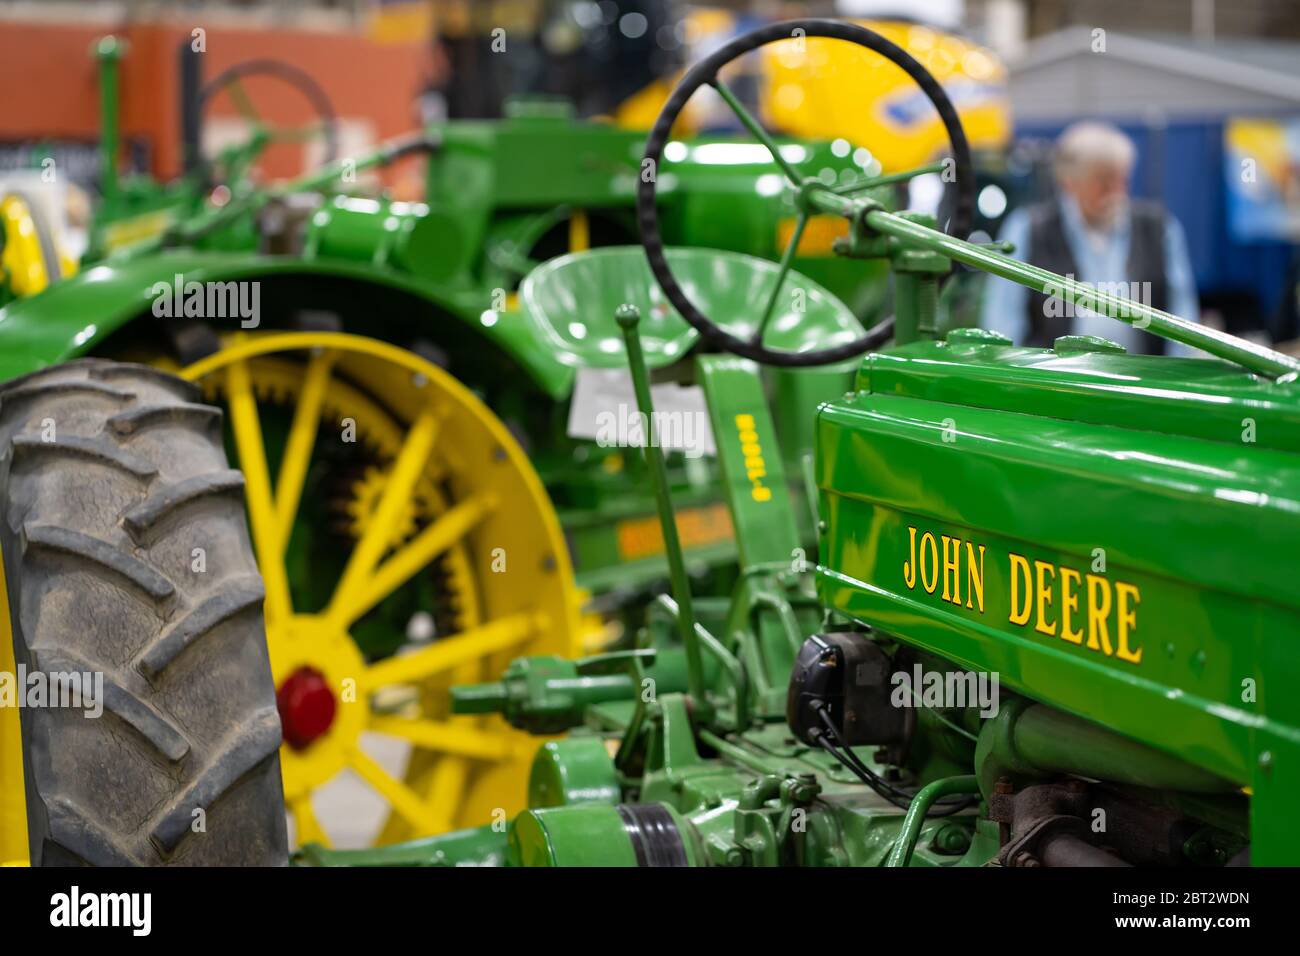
(1182, 165)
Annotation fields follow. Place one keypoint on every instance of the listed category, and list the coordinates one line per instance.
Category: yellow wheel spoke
(257, 488)
(450, 737)
(447, 791)
(304, 820)
(399, 796)
(579, 231)
(396, 496)
(298, 448)
(446, 654)
(420, 425)
(423, 548)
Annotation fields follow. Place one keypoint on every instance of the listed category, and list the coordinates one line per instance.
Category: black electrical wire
(852, 761)
(821, 740)
(830, 741)
(899, 798)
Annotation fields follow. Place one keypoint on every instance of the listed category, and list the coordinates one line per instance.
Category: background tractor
(1018, 646)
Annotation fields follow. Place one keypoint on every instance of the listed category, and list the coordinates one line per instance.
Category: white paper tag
(603, 410)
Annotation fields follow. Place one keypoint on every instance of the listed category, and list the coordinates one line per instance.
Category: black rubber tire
(111, 476)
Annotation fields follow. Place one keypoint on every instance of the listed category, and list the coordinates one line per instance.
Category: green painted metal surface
(480, 846)
(629, 319)
(576, 770)
(77, 316)
(590, 834)
(1109, 533)
(570, 303)
(750, 459)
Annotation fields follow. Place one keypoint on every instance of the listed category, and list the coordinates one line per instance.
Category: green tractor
(966, 672)
(1048, 622)
(397, 384)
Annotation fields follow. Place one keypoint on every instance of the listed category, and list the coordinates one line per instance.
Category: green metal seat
(571, 301)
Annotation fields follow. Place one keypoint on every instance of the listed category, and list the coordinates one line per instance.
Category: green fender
(565, 319)
(75, 316)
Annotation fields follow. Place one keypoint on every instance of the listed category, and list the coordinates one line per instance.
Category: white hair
(1090, 143)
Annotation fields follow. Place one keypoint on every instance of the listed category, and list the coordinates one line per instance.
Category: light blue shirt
(1101, 260)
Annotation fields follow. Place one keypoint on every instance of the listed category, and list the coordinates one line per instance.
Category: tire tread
(92, 560)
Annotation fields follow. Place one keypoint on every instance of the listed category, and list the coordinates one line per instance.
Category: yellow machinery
(865, 100)
(31, 259)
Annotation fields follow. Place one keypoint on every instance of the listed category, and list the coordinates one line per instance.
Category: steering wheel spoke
(296, 134)
(243, 105)
(873, 181)
(231, 82)
(787, 258)
(756, 130)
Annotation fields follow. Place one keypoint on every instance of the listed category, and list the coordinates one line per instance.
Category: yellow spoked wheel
(405, 544)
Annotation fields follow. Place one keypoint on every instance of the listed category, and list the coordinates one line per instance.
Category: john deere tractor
(388, 391)
(1031, 608)
(1050, 618)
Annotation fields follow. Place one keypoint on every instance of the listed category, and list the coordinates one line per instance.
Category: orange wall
(48, 82)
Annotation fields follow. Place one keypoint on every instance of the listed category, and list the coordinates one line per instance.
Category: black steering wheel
(706, 73)
(230, 81)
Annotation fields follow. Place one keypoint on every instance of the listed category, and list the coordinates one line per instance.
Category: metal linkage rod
(1256, 358)
(628, 317)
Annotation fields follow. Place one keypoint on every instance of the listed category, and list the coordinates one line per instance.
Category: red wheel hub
(306, 706)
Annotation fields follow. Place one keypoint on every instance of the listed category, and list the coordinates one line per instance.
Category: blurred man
(1095, 233)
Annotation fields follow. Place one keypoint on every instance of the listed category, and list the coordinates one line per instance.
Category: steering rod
(867, 215)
